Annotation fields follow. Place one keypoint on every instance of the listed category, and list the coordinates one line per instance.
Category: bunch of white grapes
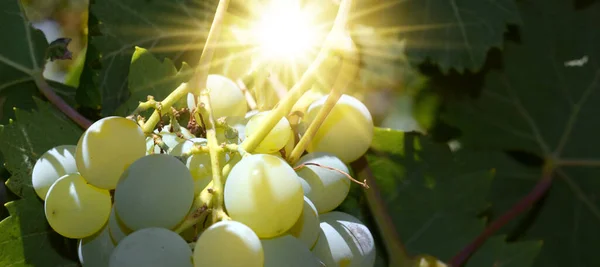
(124, 197)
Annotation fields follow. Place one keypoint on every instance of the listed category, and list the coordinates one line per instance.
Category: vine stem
(524, 204)
(398, 257)
(287, 103)
(166, 104)
(348, 70)
(57, 101)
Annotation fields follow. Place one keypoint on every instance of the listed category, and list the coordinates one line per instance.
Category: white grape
(288, 251)
(346, 132)
(155, 191)
(116, 229)
(152, 247)
(76, 209)
(307, 228)
(326, 188)
(53, 164)
(263, 192)
(106, 148)
(170, 139)
(94, 251)
(226, 98)
(276, 139)
(344, 241)
(228, 244)
(198, 164)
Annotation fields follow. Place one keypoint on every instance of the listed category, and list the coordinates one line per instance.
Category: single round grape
(241, 245)
(106, 149)
(288, 251)
(264, 193)
(198, 164)
(53, 164)
(95, 250)
(346, 132)
(344, 241)
(307, 228)
(326, 188)
(170, 139)
(226, 98)
(76, 209)
(155, 191)
(277, 138)
(116, 229)
(152, 247)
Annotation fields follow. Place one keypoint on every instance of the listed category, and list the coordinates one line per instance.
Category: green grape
(95, 250)
(53, 164)
(288, 251)
(346, 132)
(116, 229)
(344, 241)
(277, 138)
(152, 247)
(326, 188)
(226, 98)
(264, 193)
(307, 228)
(170, 139)
(155, 191)
(76, 209)
(228, 244)
(106, 149)
(198, 164)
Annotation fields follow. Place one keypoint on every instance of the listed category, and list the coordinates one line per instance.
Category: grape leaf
(496, 252)
(21, 61)
(176, 29)
(27, 239)
(453, 34)
(546, 102)
(434, 196)
(150, 76)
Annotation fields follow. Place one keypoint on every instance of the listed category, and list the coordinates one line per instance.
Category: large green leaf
(434, 197)
(27, 239)
(452, 33)
(170, 28)
(546, 102)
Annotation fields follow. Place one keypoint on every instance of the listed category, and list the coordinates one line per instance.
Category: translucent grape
(307, 228)
(326, 188)
(288, 251)
(155, 191)
(264, 193)
(106, 148)
(226, 98)
(53, 164)
(76, 209)
(116, 229)
(347, 131)
(152, 247)
(170, 139)
(344, 241)
(95, 250)
(238, 241)
(277, 138)
(198, 164)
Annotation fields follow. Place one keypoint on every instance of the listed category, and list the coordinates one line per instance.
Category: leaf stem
(397, 255)
(524, 204)
(49, 93)
(578, 162)
(287, 103)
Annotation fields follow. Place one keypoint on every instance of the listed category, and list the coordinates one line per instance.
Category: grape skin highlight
(75, 209)
(98, 147)
(94, 251)
(307, 227)
(53, 164)
(288, 251)
(226, 98)
(263, 192)
(277, 138)
(346, 132)
(241, 245)
(326, 188)
(152, 247)
(155, 191)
